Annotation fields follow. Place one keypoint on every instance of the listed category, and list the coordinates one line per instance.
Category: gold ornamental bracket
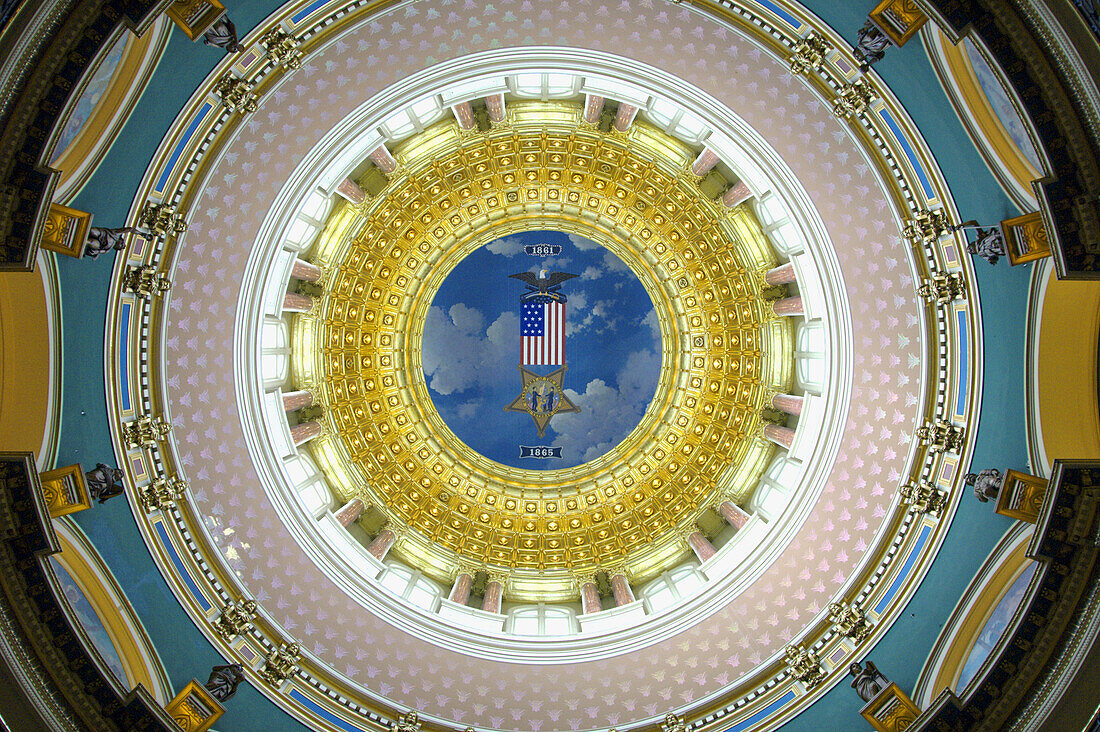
(461, 191)
(194, 709)
(65, 490)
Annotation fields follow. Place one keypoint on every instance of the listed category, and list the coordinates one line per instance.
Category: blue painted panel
(922, 175)
(177, 562)
(322, 712)
(764, 713)
(305, 12)
(123, 355)
(906, 568)
(962, 318)
(178, 151)
(782, 13)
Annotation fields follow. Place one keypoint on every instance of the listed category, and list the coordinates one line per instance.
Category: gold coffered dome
(543, 168)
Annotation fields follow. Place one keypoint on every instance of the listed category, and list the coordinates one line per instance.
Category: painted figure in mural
(871, 45)
(104, 482)
(867, 682)
(987, 483)
(224, 680)
(104, 240)
(223, 34)
(989, 244)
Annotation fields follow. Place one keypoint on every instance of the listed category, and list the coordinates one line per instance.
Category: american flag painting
(542, 331)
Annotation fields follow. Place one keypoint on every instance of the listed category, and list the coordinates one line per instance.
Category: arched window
(541, 620)
(809, 356)
(672, 586)
(274, 352)
(308, 483)
(775, 486)
(411, 585)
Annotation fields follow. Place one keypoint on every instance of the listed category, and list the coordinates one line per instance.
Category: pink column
(382, 543)
(590, 598)
(782, 436)
(351, 511)
(781, 275)
(593, 108)
(706, 160)
(294, 400)
(460, 591)
(625, 116)
(788, 306)
(383, 159)
(495, 105)
(620, 589)
(702, 547)
(464, 115)
(736, 195)
(494, 594)
(350, 191)
(306, 271)
(302, 433)
(788, 403)
(294, 302)
(734, 515)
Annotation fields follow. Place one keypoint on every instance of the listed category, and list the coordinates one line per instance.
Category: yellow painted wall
(24, 361)
(1067, 383)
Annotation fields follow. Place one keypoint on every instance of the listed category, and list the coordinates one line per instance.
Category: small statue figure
(223, 34)
(224, 680)
(989, 243)
(104, 482)
(871, 45)
(987, 483)
(104, 240)
(867, 682)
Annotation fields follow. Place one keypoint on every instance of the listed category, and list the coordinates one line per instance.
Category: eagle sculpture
(545, 282)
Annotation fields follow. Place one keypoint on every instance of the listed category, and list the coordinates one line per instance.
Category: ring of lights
(631, 506)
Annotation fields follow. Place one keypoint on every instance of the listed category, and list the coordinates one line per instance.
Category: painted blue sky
(91, 622)
(471, 350)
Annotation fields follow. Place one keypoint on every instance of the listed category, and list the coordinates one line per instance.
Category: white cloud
(654, 325)
(509, 246)
(458, 354)
(583, 244)
(613, 263)
(468, 321)
(607, 414)
(590, 273)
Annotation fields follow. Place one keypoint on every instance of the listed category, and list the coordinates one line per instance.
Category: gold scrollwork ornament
(236, 619)
(281, 663)
(809, 54)
(924, 498)
(804, 665)
(162, 493)
(853, 99)
(236, 94)
(145, 431)
(282, 48)
(849, 621)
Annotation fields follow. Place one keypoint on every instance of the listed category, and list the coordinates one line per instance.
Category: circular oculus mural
(541, 350)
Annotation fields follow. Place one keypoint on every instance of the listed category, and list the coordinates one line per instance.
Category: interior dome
(536, 366)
